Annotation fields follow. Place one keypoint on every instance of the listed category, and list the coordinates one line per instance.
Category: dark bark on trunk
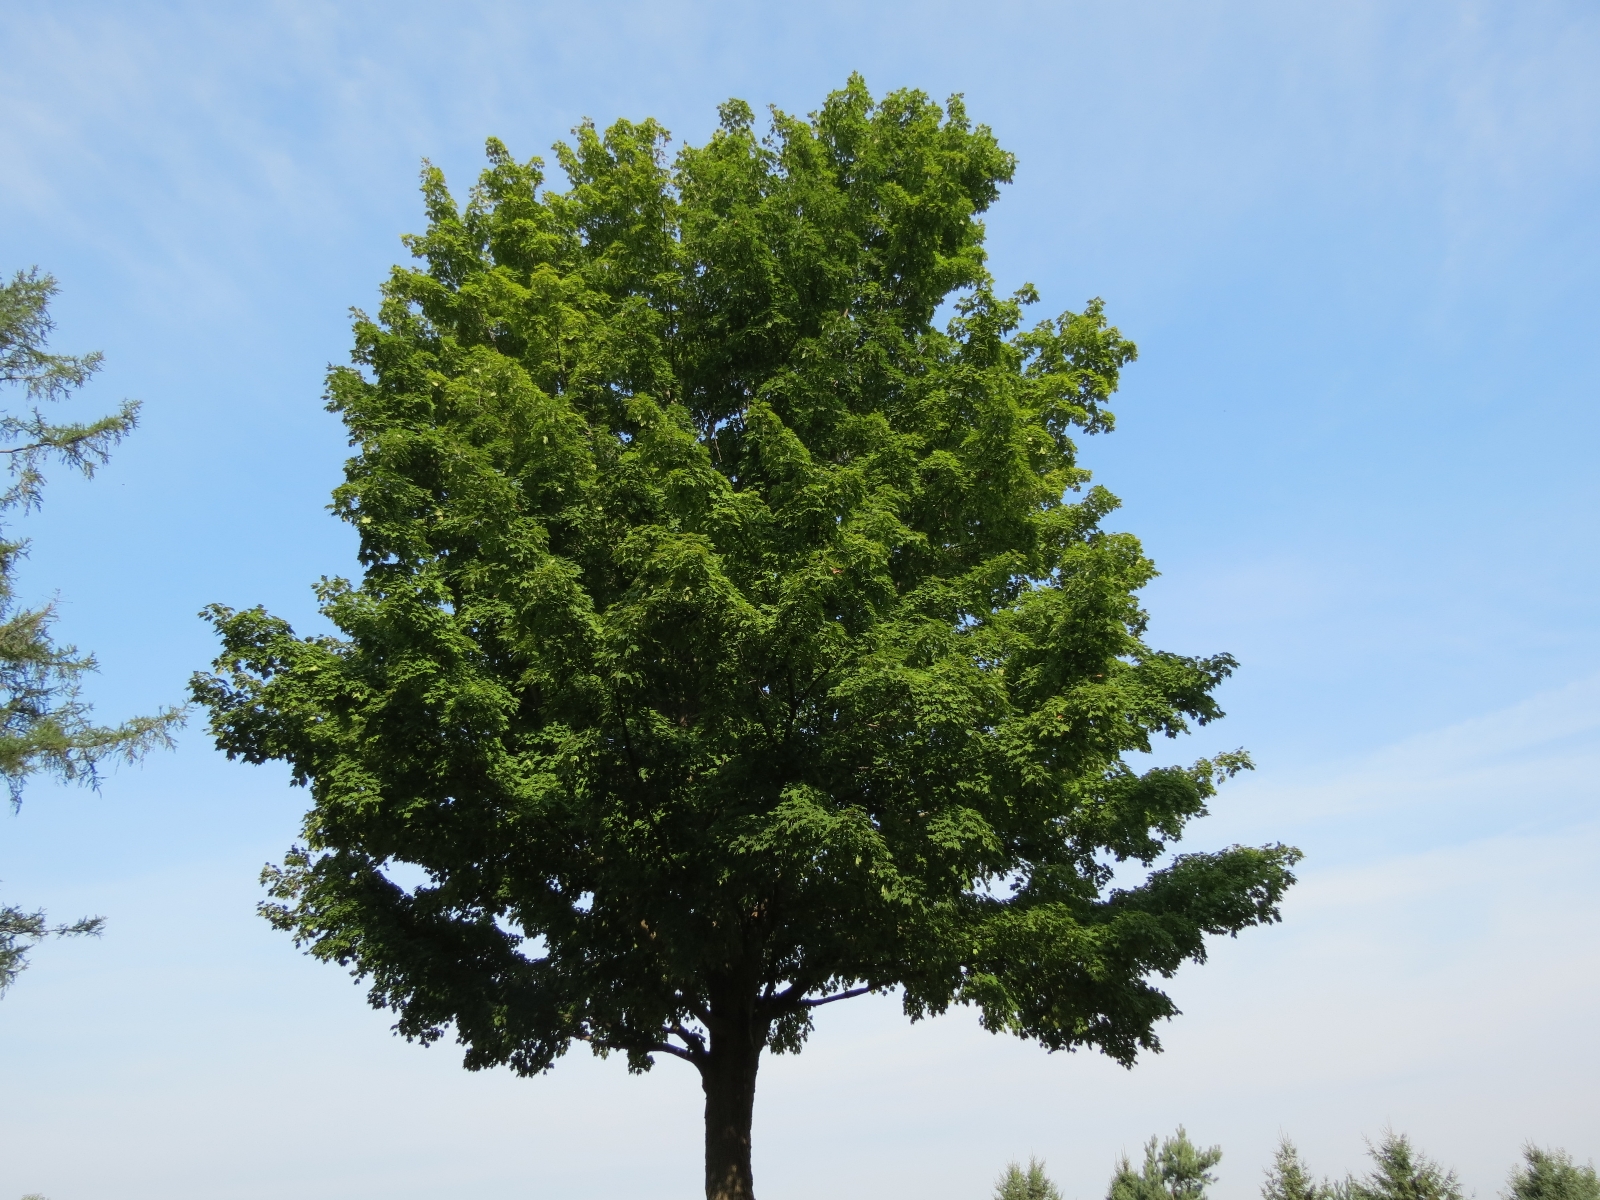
(728, 1076)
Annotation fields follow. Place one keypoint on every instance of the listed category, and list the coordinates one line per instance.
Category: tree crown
(733, 637)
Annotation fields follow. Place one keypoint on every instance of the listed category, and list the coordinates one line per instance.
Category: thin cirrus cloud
(1525, 768)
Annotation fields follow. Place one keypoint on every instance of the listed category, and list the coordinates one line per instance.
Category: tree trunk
(728, 1075)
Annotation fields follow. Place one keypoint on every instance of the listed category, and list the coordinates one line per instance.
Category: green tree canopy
(45, 725)
(733, 637)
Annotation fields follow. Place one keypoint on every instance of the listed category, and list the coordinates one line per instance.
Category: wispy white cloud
(1531, 766)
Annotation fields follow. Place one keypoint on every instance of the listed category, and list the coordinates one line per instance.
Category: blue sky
(1357, 245)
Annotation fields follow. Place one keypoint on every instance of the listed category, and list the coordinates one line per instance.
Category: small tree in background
(1289, 1179)
(1174, 1169)
(45, 725)
(1400, 1172)
(1030, 1184)
(1551, 1175)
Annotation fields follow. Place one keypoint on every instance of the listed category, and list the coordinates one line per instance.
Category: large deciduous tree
(734, 637)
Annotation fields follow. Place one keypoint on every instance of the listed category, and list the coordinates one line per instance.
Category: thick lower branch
(690, 1038)
(689, 1056)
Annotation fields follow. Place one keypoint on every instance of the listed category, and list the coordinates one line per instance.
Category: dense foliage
(734, 637)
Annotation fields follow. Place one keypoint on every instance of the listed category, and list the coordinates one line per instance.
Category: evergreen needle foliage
(45, 725)
(1552, 1175)
(1015, 1183)
(1399, 1172)
(1174, 1168)
(21, 931)
(733, 639)
(1289, 1179)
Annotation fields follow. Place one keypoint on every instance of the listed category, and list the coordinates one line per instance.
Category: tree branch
(688, 1056)
(693, 1040)
(783, 999)
(860, 991)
